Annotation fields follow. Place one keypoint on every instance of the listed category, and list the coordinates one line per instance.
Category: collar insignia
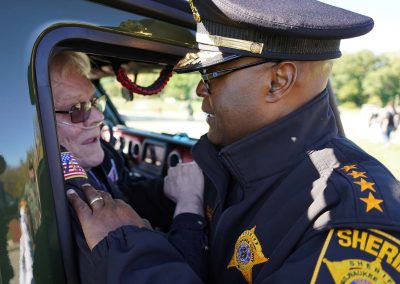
(195, 13)
(372, 203)
(248, 252)
(365, 186)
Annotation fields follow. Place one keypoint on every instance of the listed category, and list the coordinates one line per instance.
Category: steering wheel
(107, 133)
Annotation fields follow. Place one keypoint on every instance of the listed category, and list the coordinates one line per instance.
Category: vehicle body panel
(29, 137)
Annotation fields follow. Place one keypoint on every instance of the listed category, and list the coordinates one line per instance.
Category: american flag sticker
(71, 167)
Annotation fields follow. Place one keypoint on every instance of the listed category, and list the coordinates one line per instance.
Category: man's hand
(184, 184)
(102, 215)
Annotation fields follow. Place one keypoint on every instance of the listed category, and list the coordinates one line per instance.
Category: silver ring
(95, 199)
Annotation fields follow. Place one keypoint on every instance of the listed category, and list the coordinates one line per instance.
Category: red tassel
(155, 88)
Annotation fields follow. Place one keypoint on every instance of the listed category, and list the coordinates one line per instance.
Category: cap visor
(202, 59)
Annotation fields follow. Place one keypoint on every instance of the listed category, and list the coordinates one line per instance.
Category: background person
(287, 199)
(388, 121)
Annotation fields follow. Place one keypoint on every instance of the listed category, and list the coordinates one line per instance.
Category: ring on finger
(95, 199)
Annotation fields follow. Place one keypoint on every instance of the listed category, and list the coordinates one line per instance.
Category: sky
(385, 35)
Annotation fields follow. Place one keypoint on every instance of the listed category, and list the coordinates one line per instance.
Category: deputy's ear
(283, 76)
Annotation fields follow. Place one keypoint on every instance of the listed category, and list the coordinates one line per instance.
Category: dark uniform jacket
(290, 203)
(185, 232)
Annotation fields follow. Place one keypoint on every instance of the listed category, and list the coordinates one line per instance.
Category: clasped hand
(102, 215)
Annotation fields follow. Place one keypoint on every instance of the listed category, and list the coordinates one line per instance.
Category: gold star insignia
(349, 167)
(365, 185)
(356, 174)
(372, 203)
(248, 252)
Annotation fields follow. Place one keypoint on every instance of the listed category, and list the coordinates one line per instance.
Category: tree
(182, 86)
(349, 73)
(384, 82)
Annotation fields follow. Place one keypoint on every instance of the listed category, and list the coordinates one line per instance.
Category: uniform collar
(277, 146)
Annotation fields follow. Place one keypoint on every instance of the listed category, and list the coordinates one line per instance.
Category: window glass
(175, 110)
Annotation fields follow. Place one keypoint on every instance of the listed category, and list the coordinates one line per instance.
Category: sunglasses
(80, 112)
(206, 77)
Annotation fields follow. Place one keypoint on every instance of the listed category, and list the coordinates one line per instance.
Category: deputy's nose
(201, 90)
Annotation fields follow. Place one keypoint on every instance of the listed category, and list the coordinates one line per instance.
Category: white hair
(67, 62)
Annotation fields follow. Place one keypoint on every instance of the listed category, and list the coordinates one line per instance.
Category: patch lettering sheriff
(248, 253)
(359, 256)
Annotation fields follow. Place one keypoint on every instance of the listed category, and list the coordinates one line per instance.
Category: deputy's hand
(184, 184)
(102, 215)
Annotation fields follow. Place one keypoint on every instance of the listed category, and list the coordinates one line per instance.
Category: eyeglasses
(80, 112)
(206, 77)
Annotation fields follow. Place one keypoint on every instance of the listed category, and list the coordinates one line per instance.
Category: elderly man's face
(83, 143)
(237, 105)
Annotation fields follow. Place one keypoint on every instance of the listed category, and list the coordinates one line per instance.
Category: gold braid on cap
(253, 47)
(195, 13)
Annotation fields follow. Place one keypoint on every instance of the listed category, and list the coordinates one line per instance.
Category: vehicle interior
(132, 51)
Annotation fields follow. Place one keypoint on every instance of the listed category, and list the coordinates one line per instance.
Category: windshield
(175, 110)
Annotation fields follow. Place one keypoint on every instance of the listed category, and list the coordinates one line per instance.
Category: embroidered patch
(71, 167)
(358, 256)
(247, 253)
(366, 187)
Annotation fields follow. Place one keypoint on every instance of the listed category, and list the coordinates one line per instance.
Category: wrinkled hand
(184, 185)
(103, 215)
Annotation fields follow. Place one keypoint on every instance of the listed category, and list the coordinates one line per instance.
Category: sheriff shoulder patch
(358, 256)
(71, 167)
(248, 252)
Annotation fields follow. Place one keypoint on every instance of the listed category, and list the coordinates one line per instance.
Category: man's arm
(123, 250)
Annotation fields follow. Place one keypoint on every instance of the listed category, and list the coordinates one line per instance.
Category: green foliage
(384, 81)
(363, 77)
(14, 179)
(348, 75)
(183, 86)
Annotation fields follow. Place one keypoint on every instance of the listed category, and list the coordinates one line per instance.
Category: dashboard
(151, 154)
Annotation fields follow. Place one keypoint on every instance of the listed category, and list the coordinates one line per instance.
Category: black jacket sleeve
(133, 255)
(187, 235)
(148, 199)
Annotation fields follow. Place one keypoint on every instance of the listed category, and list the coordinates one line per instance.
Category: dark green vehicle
(36, 244)
(144, 36)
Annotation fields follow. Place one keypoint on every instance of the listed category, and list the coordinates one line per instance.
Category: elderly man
(287, 199)
(79, 116)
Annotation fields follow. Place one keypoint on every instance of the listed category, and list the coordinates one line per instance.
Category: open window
(147, 153)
